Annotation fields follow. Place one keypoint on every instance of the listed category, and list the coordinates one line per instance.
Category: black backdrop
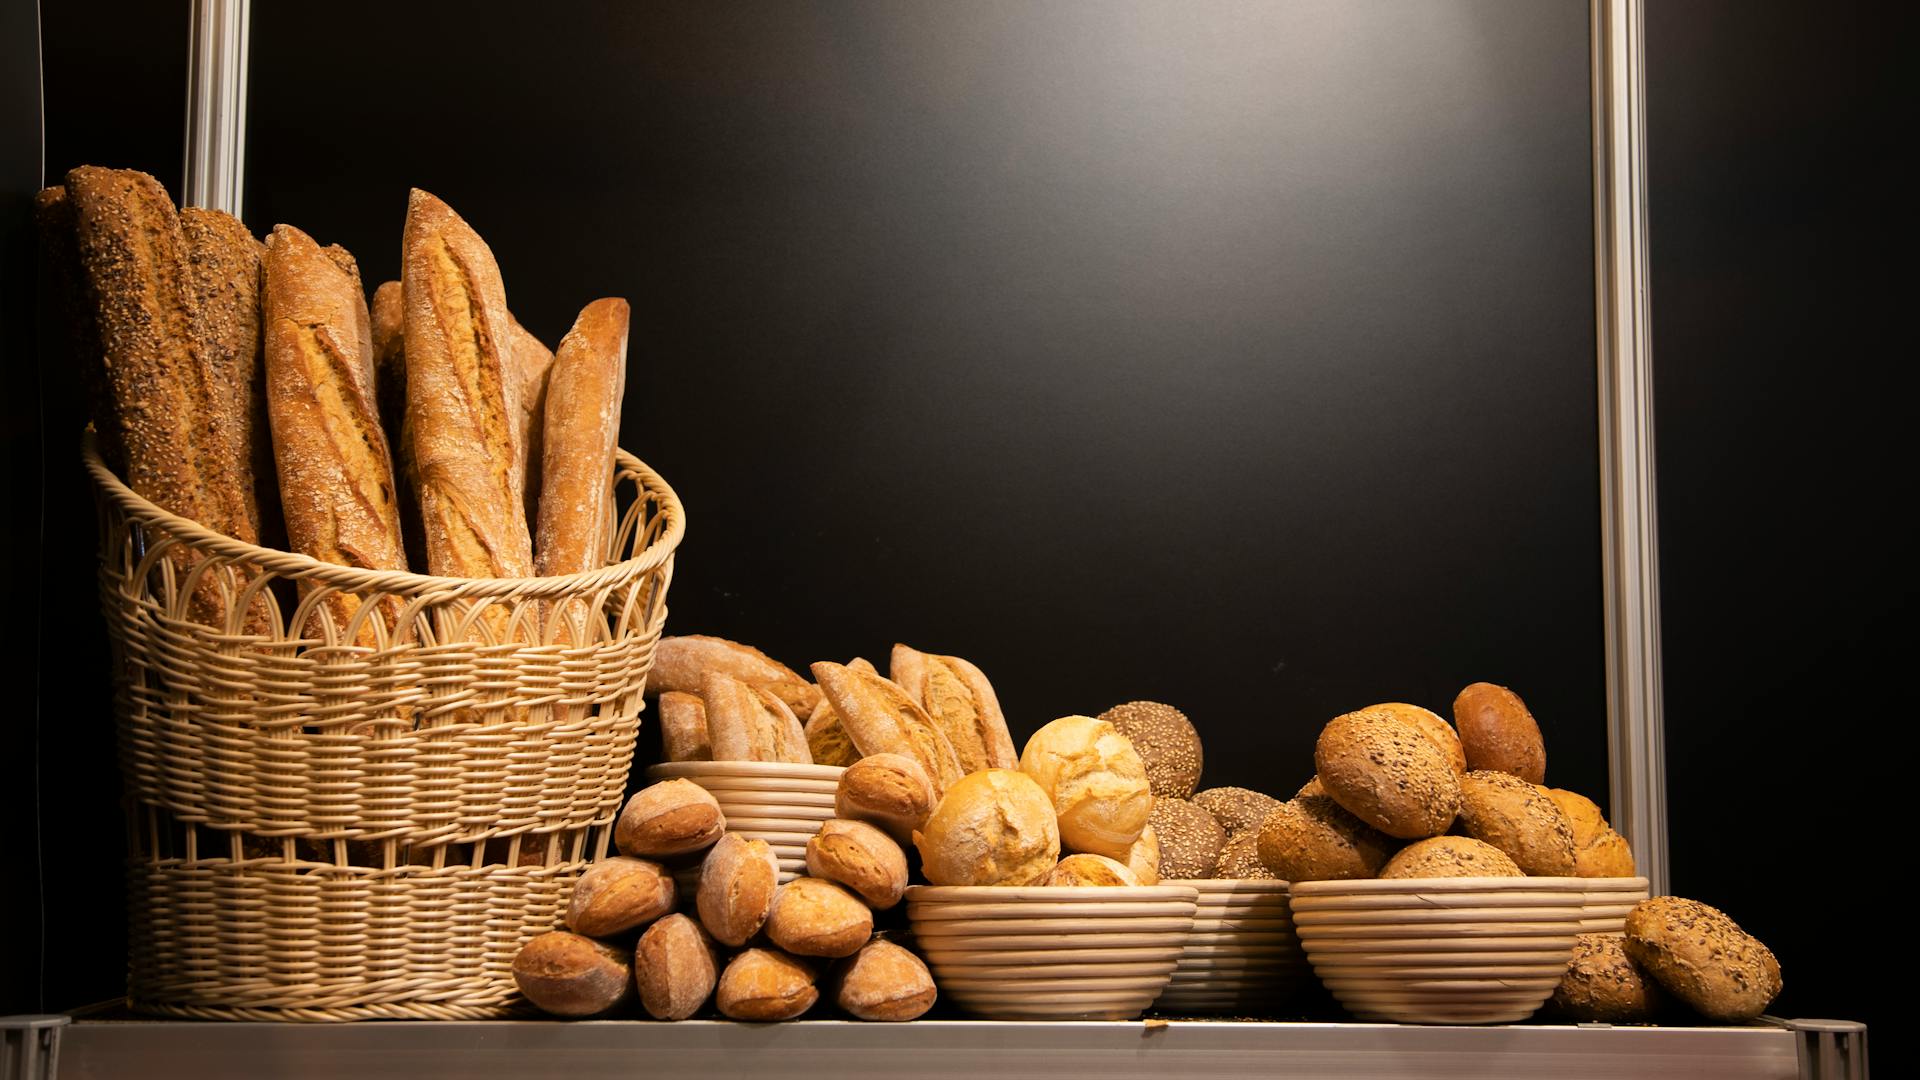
(1241, 358)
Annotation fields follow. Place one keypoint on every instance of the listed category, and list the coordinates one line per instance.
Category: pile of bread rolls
(249, 387)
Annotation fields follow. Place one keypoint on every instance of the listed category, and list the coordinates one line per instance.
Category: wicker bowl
(335, 822)
(1242, 958)
(780, 803)
(1608, 900)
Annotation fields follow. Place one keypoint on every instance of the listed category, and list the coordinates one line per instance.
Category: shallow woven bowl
(763, 800)
(1608, 901)
(1242, 958)
(1041, 953)
(1440, 950)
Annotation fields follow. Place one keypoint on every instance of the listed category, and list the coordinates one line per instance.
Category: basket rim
(293, 565)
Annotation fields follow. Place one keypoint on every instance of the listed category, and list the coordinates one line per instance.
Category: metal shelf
(924, 1050)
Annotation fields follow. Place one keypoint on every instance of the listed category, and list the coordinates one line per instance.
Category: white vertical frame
(215, 170)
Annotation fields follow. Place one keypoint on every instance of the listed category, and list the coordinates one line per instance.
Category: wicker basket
(338, 823)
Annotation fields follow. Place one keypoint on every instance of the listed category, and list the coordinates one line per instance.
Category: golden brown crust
(1097, 782)
(1240, 859)
(69, 318)
(737, 885)
(1450, 856)
(340, 501)
(827, 740)
(884, 982)
(961, 703)
(1703, 958)
(750, 723)
(765, 984)
(672, 817)
(683, 728)
(532, 362)
(618, 894)
(1607, 856)
(1583, 814)
(388, 315)
(815, 917)
(1166, 741)
(583, 395)
(1388, 774)
(1190, 839)
(675, 968)
(891, 791)
(1313, 838)
(463, 402)
(223, 290)
(1428, 723)
(1518, 818)
(1083, 869)
(862, 858)
(994, 827)
(1237, 809)
(1143, 858)
(569, 975)
(881, 718)
(1498, 733)
(1603, 985)
(680, 663)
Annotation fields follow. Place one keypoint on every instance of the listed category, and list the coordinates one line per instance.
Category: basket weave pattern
(365, 821)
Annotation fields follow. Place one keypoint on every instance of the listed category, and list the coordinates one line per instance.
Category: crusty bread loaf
(881, 718)
(1598, 851)
(994, 827)
(827, 740)
(860, 857)
(883, 982)
(1190, 839)
(1237, 809)
(1604, 986)
(388, 313)
(960, 701)
(1428, 723)
(224, 283)
(675, 968)
(532, 363)
(891, 791)
(72, 331)
(750, 723)
(1388, 774)
(340, 500)
(815, 917)
(1097, 783)
(1518, 818)
(1166, 742)
(619, 894)
(1143, 858)
(569, 975)
(583, 396)
(463, 401)
(683, 727)
(1450, 856)
(737, 885)
(766, 984)
(681, 663)
(1313, 838)
(672, 817)
(1499, 734)
(1097, 870)
(1702, 957)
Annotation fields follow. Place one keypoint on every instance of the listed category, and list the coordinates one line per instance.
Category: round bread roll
(673, 965)
(765, 984)
(1450, 856)
(1583, 815)
(1237, 809)
(1428, 723)
(1143, 858)
(1518, 818)
(1603, 985)
(891, 791)
(1097, 783)
(1316, 839)
(861, 857)
(994, 827)
(1091, 870)
(883, 982)
(815, 917)
(672, 817)
(1166, 742)
(1387, 774)
(737, 885)
(618, 894)
(1598, 851)
(1498, 733)
(1702, 957)
(1190, 839)
(566, 974)
(1240, 859)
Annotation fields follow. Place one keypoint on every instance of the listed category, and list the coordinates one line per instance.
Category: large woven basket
(364, 821)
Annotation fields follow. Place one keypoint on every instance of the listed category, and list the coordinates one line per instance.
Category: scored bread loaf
(583, 394)
(618, 894)
(891, 791)
(389, 313)
(883, 981)
(224, 283)
(675, 968)
(994, 827)
(815, 917)
(750, 723)
(737, 885)
(331, 455)
(567, 974)
(74, 334)
(683, 727)
(463, 403)
(680, 663)
(765, 984)
(672, 817)
(860, 857)
(532, 361)
(882, 719)
(960, 701)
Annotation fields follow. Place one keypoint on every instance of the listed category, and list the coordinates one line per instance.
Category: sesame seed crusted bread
(1166, 742)
(1428, 723)
(1240, 859)
(1518, 818)
(1703, 958)
(1237, 809)
(1388, 774)
(1450, 856)
(1190, 839)
(1604, 985)
(1315, 839)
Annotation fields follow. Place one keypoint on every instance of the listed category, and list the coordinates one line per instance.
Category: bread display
(750, 723)
(765, 984)
(1429, 724)
(569, 975)
(881, 718)
(1237, 809)
(995, 827)
(674, 968)
(862, 858)
(1313, 838)
(682, 662)
(891, 791)
(1703, 958)
(1097, 783)
(583, 392)
(815, 917)
(1190, 839)
(619, 894)
(1518, 818)
(737, 885)
(1143, 858)
(960, 701)
(1604, 986)
(1388, 774)
(883, 982)
(683, 727)
(673, 817)
(1498, 733)
(1079, 870)
(1450, 856)
(1240, 859)
(1166, 742)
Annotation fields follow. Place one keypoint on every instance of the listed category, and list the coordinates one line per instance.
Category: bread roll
(827, 740)
(1388, 774)
(568, 975)
(681, 663)
(1143, 858)
(883, 982)
(1702, 957)
(1583, 815)
(891, 791)
(1428, 723)
(1190, 839)
(1450, 856)
(672, 817)
(764, 984)
(1166, 742)
(815, 917)
(995, 827)
(683, 728)
(862, 858)
(532, 365)
(1598, 851)
(582, 427)
(1499, 734)
(1237, 809)
(1075, 870)
(674, 967)
(336, 475)
(1097, 783)
(882, 719)
(463, 401)
(749, 723)
(1240, 859)
(618, 894)
(737, 885)
(1604, 986)
(1518, 818)
(1313, 838)
(958, 698)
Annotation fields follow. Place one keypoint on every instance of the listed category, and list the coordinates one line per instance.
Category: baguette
(882, 719)
(75, 337)
(389, 311)
(224, 309)
(961, 702)
(329, 450)
(749, 723)
(531, 363)
(583, 396)
(462, 403)
(683, 728)
(679, 663)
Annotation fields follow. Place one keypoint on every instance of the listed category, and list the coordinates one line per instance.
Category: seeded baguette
(69, 314)
(583, 394)
(224, 283)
